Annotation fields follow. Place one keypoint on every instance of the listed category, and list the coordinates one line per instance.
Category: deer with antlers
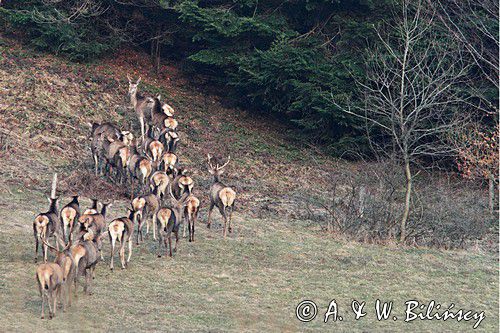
(47, 225)
(221, 195)
(142, 105)
(56, 277)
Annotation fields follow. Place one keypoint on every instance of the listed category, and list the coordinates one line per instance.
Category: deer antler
(221, 167)
(209, 157)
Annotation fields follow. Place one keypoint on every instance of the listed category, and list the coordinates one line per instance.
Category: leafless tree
(409, 92)
(474, 24)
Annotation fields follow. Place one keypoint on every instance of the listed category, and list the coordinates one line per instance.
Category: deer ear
(159, 97)
(211, 171)
(138, 80)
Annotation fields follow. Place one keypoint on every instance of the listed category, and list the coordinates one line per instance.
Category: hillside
(253, 280)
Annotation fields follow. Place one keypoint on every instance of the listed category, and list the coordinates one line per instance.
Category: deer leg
(230, 213)
(176, 233)
(56, 298)
(49, 301)
(44, 250)
(192, 226)
(40, 290)
(96, 163)
(42, 294)
(210, 215)
(224, 216)
(36, 248)
(129, 248)
(184, 226)
(113, 243)
(154, 225)
(122, 253)
(170, 243)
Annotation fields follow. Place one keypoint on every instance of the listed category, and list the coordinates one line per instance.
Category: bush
(366, 206)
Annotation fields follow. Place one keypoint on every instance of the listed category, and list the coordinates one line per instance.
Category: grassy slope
(252, 281)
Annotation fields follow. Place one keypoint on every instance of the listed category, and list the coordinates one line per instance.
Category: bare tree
(474, 25)
(409, 92)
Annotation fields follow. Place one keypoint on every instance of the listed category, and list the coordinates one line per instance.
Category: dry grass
(250, 282)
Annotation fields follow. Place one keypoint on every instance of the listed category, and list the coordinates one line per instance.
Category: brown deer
(142, 105)
(65, 260)
(100, 136)
(221, 195)
(85, 255)
(168, 221)
(145, 207)
(161, 180)
(169, 161)
(96, 222)
(182, 183)
(69, 216)
(93, 207)
(47, 225)
(190, 215)
(121, 229)
(170, 140)
(151, 146)
(51, 278)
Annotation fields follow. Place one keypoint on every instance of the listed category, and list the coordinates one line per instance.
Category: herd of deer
(153, 162)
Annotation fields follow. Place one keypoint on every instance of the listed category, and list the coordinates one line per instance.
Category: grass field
(251, 281)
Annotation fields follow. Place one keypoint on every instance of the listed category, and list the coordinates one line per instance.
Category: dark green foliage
(47, 29)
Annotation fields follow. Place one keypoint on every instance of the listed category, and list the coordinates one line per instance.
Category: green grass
(250, 282)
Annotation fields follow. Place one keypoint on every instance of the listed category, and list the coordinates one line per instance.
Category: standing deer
(168, 221)
(121, 229)
(169, 161)
(221, 195)
(69, 216)
(52, 277)
(144, 207)
(85, 255)
(190, 215)
(47, 225)
(142, 105)
(65, 261)
(182, 183)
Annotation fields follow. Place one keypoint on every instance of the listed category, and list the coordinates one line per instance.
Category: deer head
(132, 87)
(216, 170)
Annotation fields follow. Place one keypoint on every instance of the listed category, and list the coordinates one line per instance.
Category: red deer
(47, 225)
(161, 180)
(53, 276)
(121, 229)
(142, 105)
(220, 195)
(168, 221)
(85, 255)
(144, 207)
(169, 161)
(69, 216)
(96, 222)
(190, 215)
(182, 184)
(93, 208)
(170, 139)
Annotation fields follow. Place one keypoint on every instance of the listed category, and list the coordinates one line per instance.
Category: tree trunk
(491, 193)
(406, 211)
